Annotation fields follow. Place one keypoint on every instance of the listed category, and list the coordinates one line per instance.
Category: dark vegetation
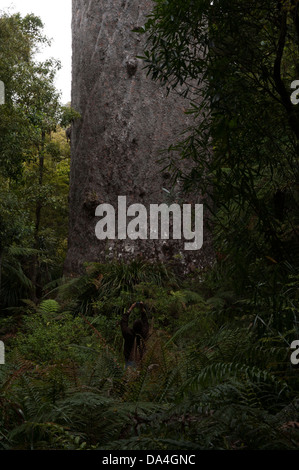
(217, 373)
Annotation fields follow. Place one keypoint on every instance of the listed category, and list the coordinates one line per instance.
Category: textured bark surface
(126, 120)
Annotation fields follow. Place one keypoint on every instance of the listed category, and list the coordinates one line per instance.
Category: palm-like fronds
(109, 281)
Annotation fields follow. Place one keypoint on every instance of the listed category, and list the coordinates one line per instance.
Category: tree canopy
(236, 62)
(31, 151)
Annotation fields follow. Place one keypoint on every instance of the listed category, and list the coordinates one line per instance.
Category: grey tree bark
(126, 119)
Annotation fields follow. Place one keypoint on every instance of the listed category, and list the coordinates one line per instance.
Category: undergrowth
(208, 380)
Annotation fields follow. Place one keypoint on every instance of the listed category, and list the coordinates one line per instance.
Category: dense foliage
(236, 62)
(34, 164)
(204, 383)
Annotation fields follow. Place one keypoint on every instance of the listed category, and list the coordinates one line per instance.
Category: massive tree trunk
(126, 119)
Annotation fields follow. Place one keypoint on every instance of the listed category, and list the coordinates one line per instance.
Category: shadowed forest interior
(220, 365)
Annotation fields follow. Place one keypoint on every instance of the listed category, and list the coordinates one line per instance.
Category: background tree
(20, 38)
(28, 152)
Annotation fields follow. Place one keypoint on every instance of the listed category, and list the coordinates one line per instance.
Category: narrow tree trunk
(38, 210)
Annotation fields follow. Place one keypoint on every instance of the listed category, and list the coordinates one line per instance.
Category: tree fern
(49, 307)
